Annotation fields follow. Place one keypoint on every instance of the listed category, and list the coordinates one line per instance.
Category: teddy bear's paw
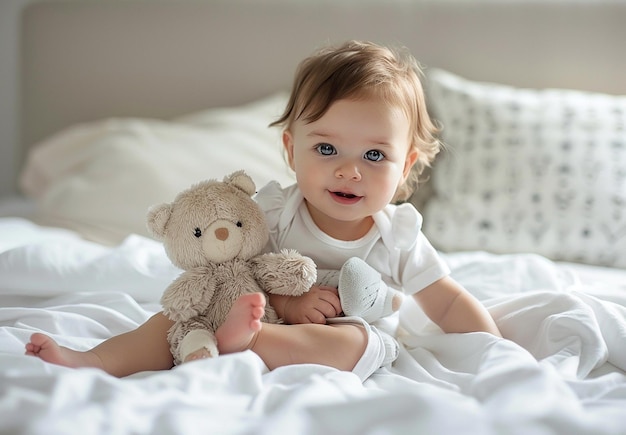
(201, 353)
(197, 344)
(285, 273)
(303, 269)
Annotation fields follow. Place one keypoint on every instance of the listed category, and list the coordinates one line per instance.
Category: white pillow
(100, 178)
(540, 171)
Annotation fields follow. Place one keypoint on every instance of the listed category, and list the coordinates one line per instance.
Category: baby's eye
(374, 155)
(326, 149)
(197, 232)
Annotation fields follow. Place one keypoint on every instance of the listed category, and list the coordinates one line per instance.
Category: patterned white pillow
(540, 171)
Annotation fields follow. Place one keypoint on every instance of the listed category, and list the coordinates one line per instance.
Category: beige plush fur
(216, 232)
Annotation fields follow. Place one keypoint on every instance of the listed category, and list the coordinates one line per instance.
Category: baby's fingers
(315, 316)
(330, 296)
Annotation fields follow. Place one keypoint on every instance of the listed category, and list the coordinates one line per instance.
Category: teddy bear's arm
(189, 294)
(285, 273)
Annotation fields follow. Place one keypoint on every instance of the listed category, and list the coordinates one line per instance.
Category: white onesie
(395, 246)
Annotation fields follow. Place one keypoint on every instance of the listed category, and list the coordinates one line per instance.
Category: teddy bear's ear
(158, 216)
(242, 181)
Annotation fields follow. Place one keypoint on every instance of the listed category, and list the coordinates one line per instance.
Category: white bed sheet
(562, 369)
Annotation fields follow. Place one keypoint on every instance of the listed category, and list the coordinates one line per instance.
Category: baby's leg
(340, 345)
(145, 348)
(47, 349)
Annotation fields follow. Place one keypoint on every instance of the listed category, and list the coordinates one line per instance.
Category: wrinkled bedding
(561, 368)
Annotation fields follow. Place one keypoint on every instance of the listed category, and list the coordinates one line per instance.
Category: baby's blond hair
(361, 70)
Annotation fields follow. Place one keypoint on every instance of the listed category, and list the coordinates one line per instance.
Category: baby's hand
(314, 306)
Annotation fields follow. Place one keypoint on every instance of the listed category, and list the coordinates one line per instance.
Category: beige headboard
(84, 60)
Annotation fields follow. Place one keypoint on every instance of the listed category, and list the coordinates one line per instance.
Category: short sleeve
(271, 199)
(421, 266)
(405, 253)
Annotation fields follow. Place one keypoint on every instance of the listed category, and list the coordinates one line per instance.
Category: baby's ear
(158, 215)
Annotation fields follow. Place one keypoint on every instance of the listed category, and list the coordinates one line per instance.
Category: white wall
(9, 93)
(10, 11)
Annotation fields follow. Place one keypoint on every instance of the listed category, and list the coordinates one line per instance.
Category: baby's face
(350, 162)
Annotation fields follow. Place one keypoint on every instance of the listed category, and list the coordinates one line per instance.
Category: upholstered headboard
(85, 60)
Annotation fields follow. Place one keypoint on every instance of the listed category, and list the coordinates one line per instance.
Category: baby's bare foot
(243, 322)
(47, 349)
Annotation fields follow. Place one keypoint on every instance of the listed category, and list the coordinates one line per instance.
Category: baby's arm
(314, 306)
(454, 309)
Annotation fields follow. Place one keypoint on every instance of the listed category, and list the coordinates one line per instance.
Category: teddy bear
(216, 233)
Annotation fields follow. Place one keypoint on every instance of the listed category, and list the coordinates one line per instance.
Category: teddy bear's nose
(221, 233)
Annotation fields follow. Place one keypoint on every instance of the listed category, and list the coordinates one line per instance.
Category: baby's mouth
(344, 195)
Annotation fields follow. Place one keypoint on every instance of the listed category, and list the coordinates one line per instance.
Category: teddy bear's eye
(239, 224)
(197, 232)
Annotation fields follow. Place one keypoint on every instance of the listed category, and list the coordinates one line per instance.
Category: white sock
(392, 349)
(363, 293)
(381, 350)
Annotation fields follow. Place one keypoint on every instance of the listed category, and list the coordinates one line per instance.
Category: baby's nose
(350, 171)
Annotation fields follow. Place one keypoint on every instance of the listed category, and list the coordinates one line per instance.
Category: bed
(123, 104)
